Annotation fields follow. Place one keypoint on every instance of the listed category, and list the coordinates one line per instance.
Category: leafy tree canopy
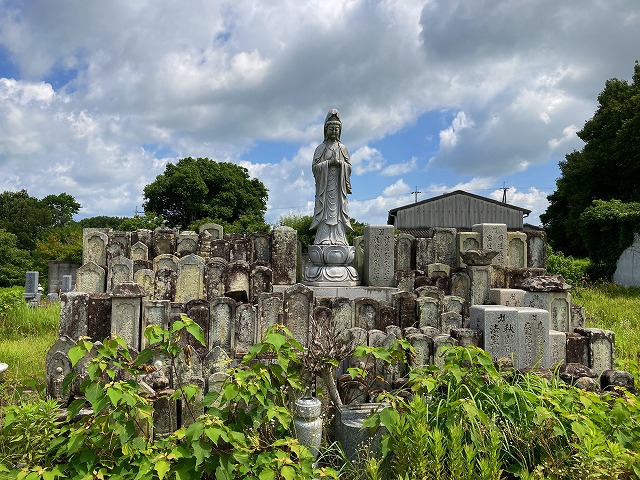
(28, 218)
(102, 221)
(607, 229)
(137, 222)
(607, 167)
(14, 262)
(195, 189)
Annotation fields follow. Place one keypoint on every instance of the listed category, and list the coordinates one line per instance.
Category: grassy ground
(26, 334)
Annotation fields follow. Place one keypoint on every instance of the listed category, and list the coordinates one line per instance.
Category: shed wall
(459, 211)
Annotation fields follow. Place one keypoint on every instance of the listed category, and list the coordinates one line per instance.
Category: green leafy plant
(245, 432)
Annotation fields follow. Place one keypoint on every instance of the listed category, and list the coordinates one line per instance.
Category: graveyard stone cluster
(452, 288)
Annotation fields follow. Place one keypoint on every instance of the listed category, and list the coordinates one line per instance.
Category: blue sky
(435, 95)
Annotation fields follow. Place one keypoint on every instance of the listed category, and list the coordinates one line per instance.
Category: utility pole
(504, 193)
(415, 193)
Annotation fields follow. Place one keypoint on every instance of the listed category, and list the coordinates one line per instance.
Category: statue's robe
(331, 212)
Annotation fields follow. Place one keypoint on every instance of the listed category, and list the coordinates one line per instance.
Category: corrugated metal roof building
(459, 209)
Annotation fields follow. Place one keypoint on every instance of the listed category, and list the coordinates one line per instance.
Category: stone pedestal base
(330, 276)
(331, 266)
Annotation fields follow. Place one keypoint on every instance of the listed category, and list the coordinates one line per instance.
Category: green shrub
(573, 270)
(471, 421)
(28, 430)
(247, 431)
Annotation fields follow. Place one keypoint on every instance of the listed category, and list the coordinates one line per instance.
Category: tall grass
(26, 334)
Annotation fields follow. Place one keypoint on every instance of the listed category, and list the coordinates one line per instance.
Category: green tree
(29, 218)
(606, 168)
(62, 244)
(102, 221)
(63, 207)
(148, 221)
(301, 224)
(24, 216)
(14, 262)
(194, 189)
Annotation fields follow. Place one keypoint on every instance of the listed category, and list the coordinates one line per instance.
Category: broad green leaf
(77, 353)
(288, 472)
(194, 329)
(267, 474)
(162, 467)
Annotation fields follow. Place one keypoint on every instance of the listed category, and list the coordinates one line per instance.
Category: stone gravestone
(536, 249)
(284, 255)
(259, 282)
(270, 311)
(66, 285)
(190, 281)
(516, 250)
(220, 248)
(31, 285)
(146, 279)
(237, 280)
(91, 277)
(494, 237)
(260, 248)
(405, 304)
(74, 314)
(119, 244)
(120, 271)
(126, 303)
(444, 246)
(166, 261)
(198, 311)
(216, 231)
(428, 310)
(154, 312)
(222, 330)
(165, 284)
(246, 325)
(343, 313)
(532, 337)
(215, 277)
(556, 354)
(558, 304)
(58, 366)
(498, 324)
(379, 265)
(509, 297)
(424, 253)
(601, 348)
(99, 316)
(94, 246)
(139, 251)
(404, 252)
(164, 241)
(298, 305)
(187, 243)
(366, 313)
(239, 248)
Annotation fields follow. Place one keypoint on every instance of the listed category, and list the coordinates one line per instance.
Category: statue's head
(333, 120)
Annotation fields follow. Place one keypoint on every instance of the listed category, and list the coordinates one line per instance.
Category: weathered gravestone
(91, 277)
(284, 255)
(379, 265)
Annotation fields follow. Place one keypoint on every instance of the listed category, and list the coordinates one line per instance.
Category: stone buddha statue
(331, 253)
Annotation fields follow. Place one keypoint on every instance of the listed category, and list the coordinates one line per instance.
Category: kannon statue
(330, 253)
